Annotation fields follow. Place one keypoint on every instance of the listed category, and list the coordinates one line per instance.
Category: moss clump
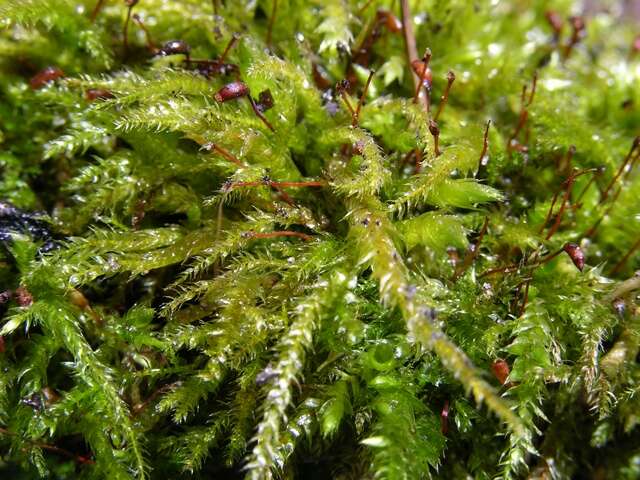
(255, 258)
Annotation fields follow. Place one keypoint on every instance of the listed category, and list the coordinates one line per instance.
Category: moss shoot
(346, 239)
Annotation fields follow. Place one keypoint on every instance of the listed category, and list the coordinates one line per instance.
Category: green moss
(194, 289)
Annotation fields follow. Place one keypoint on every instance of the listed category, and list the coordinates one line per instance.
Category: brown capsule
(50, 396)
(239, 89)
(576, 254)
(577, 23)
(435, 131)
(44, 76)
(1, 344)
(358, 147)
(418, 67)
(500, 369)
(555, 20)
(23, 297)
(78, 299)
(391, 22)
(231, 91)
(175, 47)
(433, 128)
(211, 69)
(451, 76)
(265, 101)
(454, 257)
(98, 94)
(131, 3)
(343, 86)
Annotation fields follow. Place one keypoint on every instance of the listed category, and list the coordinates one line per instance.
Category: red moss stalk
(473, 252)
(424, 69)
(96, 10)
(281, 233)
(226, 154)
(634, 248)
(356, 116)
(435, 131)
(410, 47)
(130, 4)
(628, 159)
(485, 146)
(445, 96)
(272, 20)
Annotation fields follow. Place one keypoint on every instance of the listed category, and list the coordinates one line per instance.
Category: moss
(257, 252)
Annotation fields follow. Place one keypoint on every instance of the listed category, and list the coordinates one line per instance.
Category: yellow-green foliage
(196, 288)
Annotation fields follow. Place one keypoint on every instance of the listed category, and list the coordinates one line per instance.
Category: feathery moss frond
(236, 240)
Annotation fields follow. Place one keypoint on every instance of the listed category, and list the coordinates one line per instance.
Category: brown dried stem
(565, 200)
(621, 170)
(345, 98)
(223, 153)
(272, 20)
(271, 183)
(473, 252)
(362, 9)
(626, 257)
(589, 233)
(96, 10)
(435, 131)
(232, 42)
(595, 175)
(515, 267)
(259, 114)
(445, 96)
(578, 26)
(356, 115)
(281, 233)
(485, 146)
(525, 299)
(425, 68)
(534, 84)
(568, 187)
(150, 45)
(410, 47)
(130, 4)
(52, 448)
